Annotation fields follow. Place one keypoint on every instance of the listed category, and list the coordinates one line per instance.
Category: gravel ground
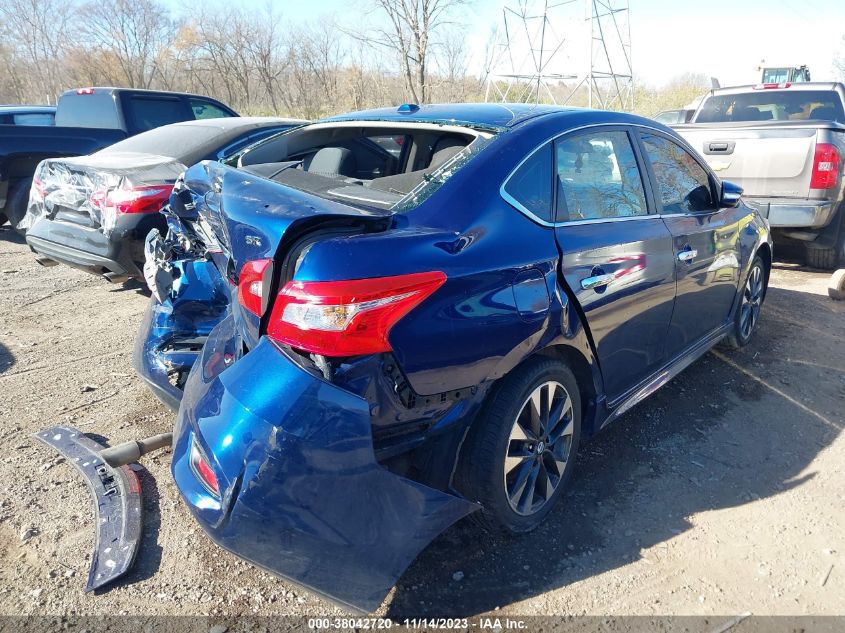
(723, 493)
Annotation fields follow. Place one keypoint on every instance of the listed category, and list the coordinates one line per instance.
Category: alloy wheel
(751, 299)
(538, 448)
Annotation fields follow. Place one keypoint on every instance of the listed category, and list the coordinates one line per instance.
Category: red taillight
(38, 187)
(783, 84)
(826, 166)
(85, 91)
(254, 285)
(203, 471)
(147, 199)
(347, 318)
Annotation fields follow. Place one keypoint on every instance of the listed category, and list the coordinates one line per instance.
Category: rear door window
(598, 177)
(683, 184)
(147, 113)
(529, 188)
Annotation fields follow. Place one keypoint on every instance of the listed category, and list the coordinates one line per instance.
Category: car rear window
(173, 141)
(773, 105)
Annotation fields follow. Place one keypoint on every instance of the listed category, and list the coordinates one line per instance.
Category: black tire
(822, 258)
(17, 203)
(748, 312)
(481, 473)
(3, 219)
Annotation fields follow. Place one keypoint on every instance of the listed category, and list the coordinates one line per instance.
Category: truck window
(147, 113)
(34, 118)
(206, 110)
(772, 105)
(97, 110)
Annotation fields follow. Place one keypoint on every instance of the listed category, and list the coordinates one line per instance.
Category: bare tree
(413, 23)
(36, 34)
(839, 60)
(130, 37)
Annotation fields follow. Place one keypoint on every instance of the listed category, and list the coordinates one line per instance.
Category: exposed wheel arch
(584, 374)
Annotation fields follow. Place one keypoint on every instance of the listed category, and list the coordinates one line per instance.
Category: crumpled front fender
(301, 492)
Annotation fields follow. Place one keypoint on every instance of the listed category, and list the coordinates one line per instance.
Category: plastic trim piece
(117, 503)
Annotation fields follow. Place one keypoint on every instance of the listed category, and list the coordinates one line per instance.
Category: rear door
(616, 252)
(705, 240)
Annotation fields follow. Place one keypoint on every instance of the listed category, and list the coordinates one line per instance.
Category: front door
(616, 253)
(705, 241)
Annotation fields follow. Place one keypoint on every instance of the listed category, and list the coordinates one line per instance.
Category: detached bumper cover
(117, 504)
(301, 492)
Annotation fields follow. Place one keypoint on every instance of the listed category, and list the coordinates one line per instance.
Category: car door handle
(688, 255)
(597, 281)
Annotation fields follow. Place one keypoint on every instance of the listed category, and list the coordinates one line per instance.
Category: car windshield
(773, 105)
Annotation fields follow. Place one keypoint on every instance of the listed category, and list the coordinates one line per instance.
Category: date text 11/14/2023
(481, 623)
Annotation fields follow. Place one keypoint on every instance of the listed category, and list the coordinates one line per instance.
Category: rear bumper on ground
(790, 213)
(302, 494)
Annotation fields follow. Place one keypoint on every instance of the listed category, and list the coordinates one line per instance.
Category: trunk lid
(767, 160)
(251, 217)
(93, 190)
(241, 217)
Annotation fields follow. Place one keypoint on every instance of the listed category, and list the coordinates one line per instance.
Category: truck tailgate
(766, 161)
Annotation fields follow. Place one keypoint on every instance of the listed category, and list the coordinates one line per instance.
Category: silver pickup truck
(784, 144)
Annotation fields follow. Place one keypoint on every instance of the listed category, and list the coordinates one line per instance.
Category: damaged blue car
(380, 323)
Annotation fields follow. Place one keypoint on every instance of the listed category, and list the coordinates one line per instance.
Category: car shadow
(8, 234)
(735, 427)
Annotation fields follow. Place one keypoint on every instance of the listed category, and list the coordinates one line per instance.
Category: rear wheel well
(765, 253)
(579, 365)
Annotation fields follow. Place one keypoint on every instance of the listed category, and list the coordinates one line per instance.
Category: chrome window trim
(534, 218)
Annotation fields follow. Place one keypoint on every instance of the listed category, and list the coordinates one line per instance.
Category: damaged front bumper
(301, 492)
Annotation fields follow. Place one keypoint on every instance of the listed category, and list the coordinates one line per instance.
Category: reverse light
(826, 167)
(347, 318)
(148, 199)
(203, 471)
(254, 285)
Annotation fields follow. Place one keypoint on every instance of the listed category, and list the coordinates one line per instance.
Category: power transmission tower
(538, 54)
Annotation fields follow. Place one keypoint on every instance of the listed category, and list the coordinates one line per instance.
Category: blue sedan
(401, 317)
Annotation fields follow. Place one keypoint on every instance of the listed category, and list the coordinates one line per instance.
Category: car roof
(485, 115)
(240, 122)
(27, 109)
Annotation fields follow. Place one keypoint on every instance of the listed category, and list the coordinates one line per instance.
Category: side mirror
(731, 194)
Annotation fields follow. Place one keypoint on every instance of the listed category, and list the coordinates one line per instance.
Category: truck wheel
(836, 286)
(17, 203)
(3, 219)
(822, 258)
(519, 454)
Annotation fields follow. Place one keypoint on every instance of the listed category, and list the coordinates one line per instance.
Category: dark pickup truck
(88, 119)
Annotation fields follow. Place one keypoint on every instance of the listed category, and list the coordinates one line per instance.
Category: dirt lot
(723, 493)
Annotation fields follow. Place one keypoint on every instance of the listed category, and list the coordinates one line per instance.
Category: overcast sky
(726, 39)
